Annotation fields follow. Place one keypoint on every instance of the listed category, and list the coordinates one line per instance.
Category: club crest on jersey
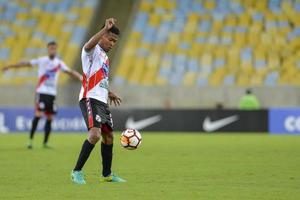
(104, 83)
(105, 68)
(50, 74)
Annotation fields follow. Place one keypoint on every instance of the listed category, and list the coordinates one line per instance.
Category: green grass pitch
(167, 166)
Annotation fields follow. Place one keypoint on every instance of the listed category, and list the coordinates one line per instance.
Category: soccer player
(94, 96)
(48, 71)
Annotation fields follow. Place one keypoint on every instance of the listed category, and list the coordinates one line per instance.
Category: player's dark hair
(113, 29)
(51, 43)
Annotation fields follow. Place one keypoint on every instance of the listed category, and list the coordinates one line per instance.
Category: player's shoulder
(43, 58)
(59, 59)
(96, 49)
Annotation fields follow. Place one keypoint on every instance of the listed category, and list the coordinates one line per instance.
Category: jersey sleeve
(90, 52)
(34, 61)
(86, 58)
(64, 67)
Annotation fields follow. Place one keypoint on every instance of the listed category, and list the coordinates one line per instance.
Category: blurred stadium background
(181, 65)
(169, 50)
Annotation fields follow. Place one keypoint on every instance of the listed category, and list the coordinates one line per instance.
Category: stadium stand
(27, 26)
(212, 43)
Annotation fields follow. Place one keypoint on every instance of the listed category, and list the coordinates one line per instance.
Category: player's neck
(51, 57)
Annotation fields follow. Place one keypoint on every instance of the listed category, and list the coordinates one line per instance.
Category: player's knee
(108, 138)
(38, 114)
(94, 135)
(94, 138)
(49, 117)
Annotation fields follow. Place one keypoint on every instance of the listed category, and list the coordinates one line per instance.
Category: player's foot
(77, 177)
(112, 178)
(29, 145)
(46, 146)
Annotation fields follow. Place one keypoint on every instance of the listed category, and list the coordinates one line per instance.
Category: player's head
(52, 48)
(109, 39)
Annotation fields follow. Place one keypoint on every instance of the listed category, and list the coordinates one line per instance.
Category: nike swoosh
(210, 126)
(130, 123)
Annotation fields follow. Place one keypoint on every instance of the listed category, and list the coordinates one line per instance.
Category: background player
(48, 71)
(94, 97)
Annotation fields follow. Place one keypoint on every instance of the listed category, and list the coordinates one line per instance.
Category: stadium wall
(206, 97)
(162, 97)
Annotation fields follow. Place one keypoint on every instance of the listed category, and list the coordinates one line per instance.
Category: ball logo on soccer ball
(131, 139)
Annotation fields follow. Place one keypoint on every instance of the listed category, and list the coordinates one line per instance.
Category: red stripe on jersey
(93, 81)
(45, 77)
(90, 113)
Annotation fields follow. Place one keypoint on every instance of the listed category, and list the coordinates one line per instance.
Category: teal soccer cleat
(78, 177)
(112, 178)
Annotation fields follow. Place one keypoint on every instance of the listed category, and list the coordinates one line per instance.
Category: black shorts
(96, 114)
(45, 103)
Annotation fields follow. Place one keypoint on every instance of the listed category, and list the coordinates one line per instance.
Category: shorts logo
(105, 69)
(98, 118)
(41, 105)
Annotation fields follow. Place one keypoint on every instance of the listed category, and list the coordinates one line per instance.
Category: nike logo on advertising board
(210, 126)
(143, 123)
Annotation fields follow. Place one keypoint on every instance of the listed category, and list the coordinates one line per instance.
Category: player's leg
(39, 105)
(107, 146)
(106, 150)
(35, 121)
(50, 111)
(89, 115)
(47, 129)
(86, 149)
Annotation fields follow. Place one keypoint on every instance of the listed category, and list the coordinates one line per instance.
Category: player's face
(108, 41)
(52, 50)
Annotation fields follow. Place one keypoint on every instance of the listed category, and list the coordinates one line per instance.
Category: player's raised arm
(70, 72)
(95, 39)
(17, 65)
(74, 74)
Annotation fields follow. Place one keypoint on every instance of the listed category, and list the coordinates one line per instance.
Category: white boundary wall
(163, 97)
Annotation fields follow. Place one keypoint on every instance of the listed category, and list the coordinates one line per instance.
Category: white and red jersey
(48, 72)
(95, 67)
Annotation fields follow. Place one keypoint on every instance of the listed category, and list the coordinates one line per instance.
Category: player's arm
(95, 39)
(74, 74)
(113, 98)
(17, 65)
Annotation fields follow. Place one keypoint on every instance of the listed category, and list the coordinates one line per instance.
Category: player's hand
(109, 23)
(114, 99)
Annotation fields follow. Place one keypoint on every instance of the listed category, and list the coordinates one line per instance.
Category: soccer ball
(131, 139)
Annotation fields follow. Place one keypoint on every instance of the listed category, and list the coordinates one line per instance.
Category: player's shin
(47, 130)
(34, 124)
(106, 150)
(107, 154)
(85, 152)
(87, 147)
